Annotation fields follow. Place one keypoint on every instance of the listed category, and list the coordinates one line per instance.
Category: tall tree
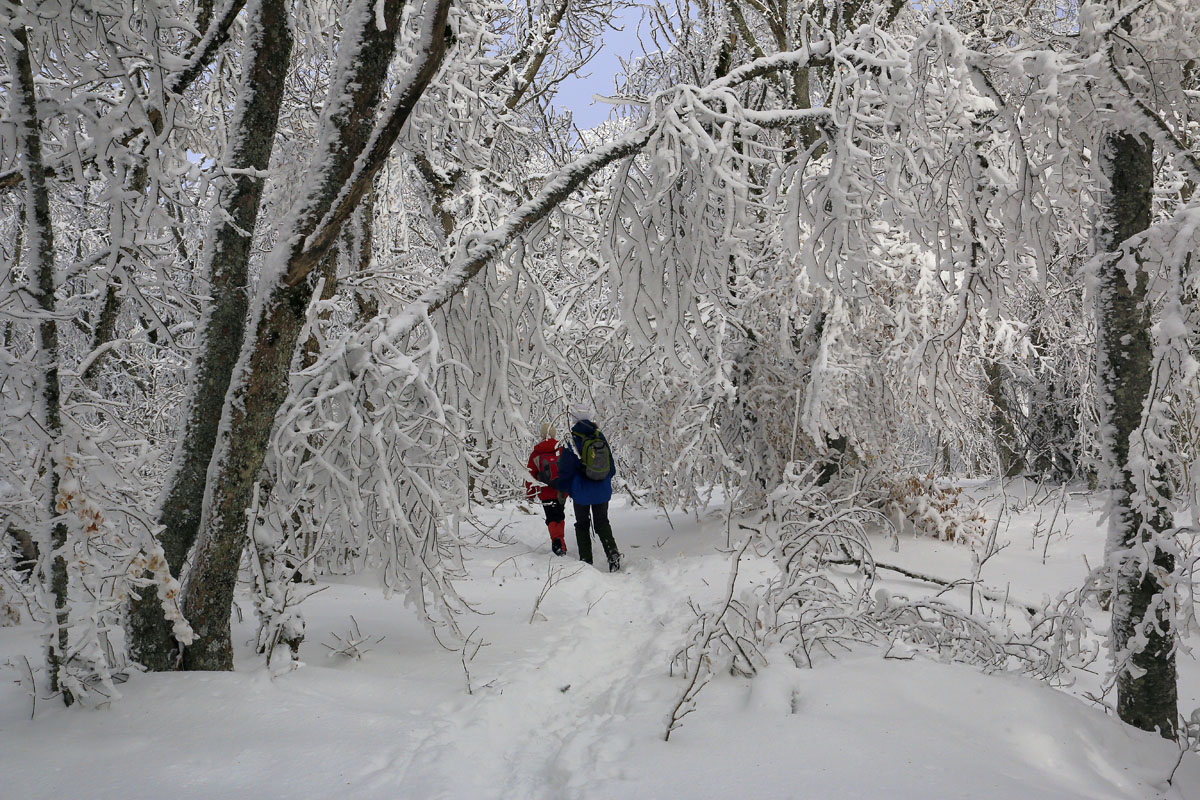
(40, 264)
(1143, 628)
(226, 263)
(351, 150)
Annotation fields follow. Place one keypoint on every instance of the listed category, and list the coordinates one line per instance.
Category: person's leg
(605, 534)
(556, 517)
(557, 543)
(583, 531)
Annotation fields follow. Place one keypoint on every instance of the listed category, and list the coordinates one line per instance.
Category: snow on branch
(480, 249)
(430, 47)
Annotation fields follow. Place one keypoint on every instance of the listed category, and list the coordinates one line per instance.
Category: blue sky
(576, 94)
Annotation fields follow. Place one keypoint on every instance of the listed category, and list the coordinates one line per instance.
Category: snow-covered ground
(571, 700)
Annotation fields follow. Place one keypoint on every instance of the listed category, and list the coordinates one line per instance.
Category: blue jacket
(571, 479)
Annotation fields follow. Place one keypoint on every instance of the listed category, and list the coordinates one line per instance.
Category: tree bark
(208, 591)
(40, 260)
(337, 183)
(1146, 691)
(226, 262)
(1007, 438)
(366, 302)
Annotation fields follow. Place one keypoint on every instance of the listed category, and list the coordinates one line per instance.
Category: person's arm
(568, 465)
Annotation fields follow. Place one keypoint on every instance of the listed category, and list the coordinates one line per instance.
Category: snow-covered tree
(305, 276)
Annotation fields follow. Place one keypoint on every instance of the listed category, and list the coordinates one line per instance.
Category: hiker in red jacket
(543, 462)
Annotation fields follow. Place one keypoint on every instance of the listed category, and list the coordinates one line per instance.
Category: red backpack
(545, 467)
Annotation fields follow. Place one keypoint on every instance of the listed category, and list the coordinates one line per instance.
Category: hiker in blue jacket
(586, 471)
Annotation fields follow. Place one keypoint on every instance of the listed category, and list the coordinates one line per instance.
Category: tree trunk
(1146, 690)
(1007, 438)
(208, 592)
(40, 260)
(366, 302)
(227, 258)
(261, 386)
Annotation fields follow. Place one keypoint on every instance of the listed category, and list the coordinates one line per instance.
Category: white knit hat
(547, 430)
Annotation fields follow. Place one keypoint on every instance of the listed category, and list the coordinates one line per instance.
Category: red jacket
(546, 446)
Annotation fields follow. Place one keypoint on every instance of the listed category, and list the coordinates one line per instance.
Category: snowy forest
(888, 311)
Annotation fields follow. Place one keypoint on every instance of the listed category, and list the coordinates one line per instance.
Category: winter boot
(605, 535)
(557, 543)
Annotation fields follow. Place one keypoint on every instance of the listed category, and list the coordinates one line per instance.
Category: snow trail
(552, 719)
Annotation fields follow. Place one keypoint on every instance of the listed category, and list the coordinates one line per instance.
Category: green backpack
(595, 457)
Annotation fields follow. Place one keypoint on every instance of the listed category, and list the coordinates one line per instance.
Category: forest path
(559, 699)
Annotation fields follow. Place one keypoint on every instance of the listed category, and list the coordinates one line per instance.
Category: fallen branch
(990, 594)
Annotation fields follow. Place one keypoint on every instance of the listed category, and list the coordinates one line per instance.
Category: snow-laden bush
(10, 614)
(821, 600)
(927, 507)
(108, 553)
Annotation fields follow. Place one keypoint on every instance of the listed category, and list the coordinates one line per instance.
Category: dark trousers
(583, 530)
